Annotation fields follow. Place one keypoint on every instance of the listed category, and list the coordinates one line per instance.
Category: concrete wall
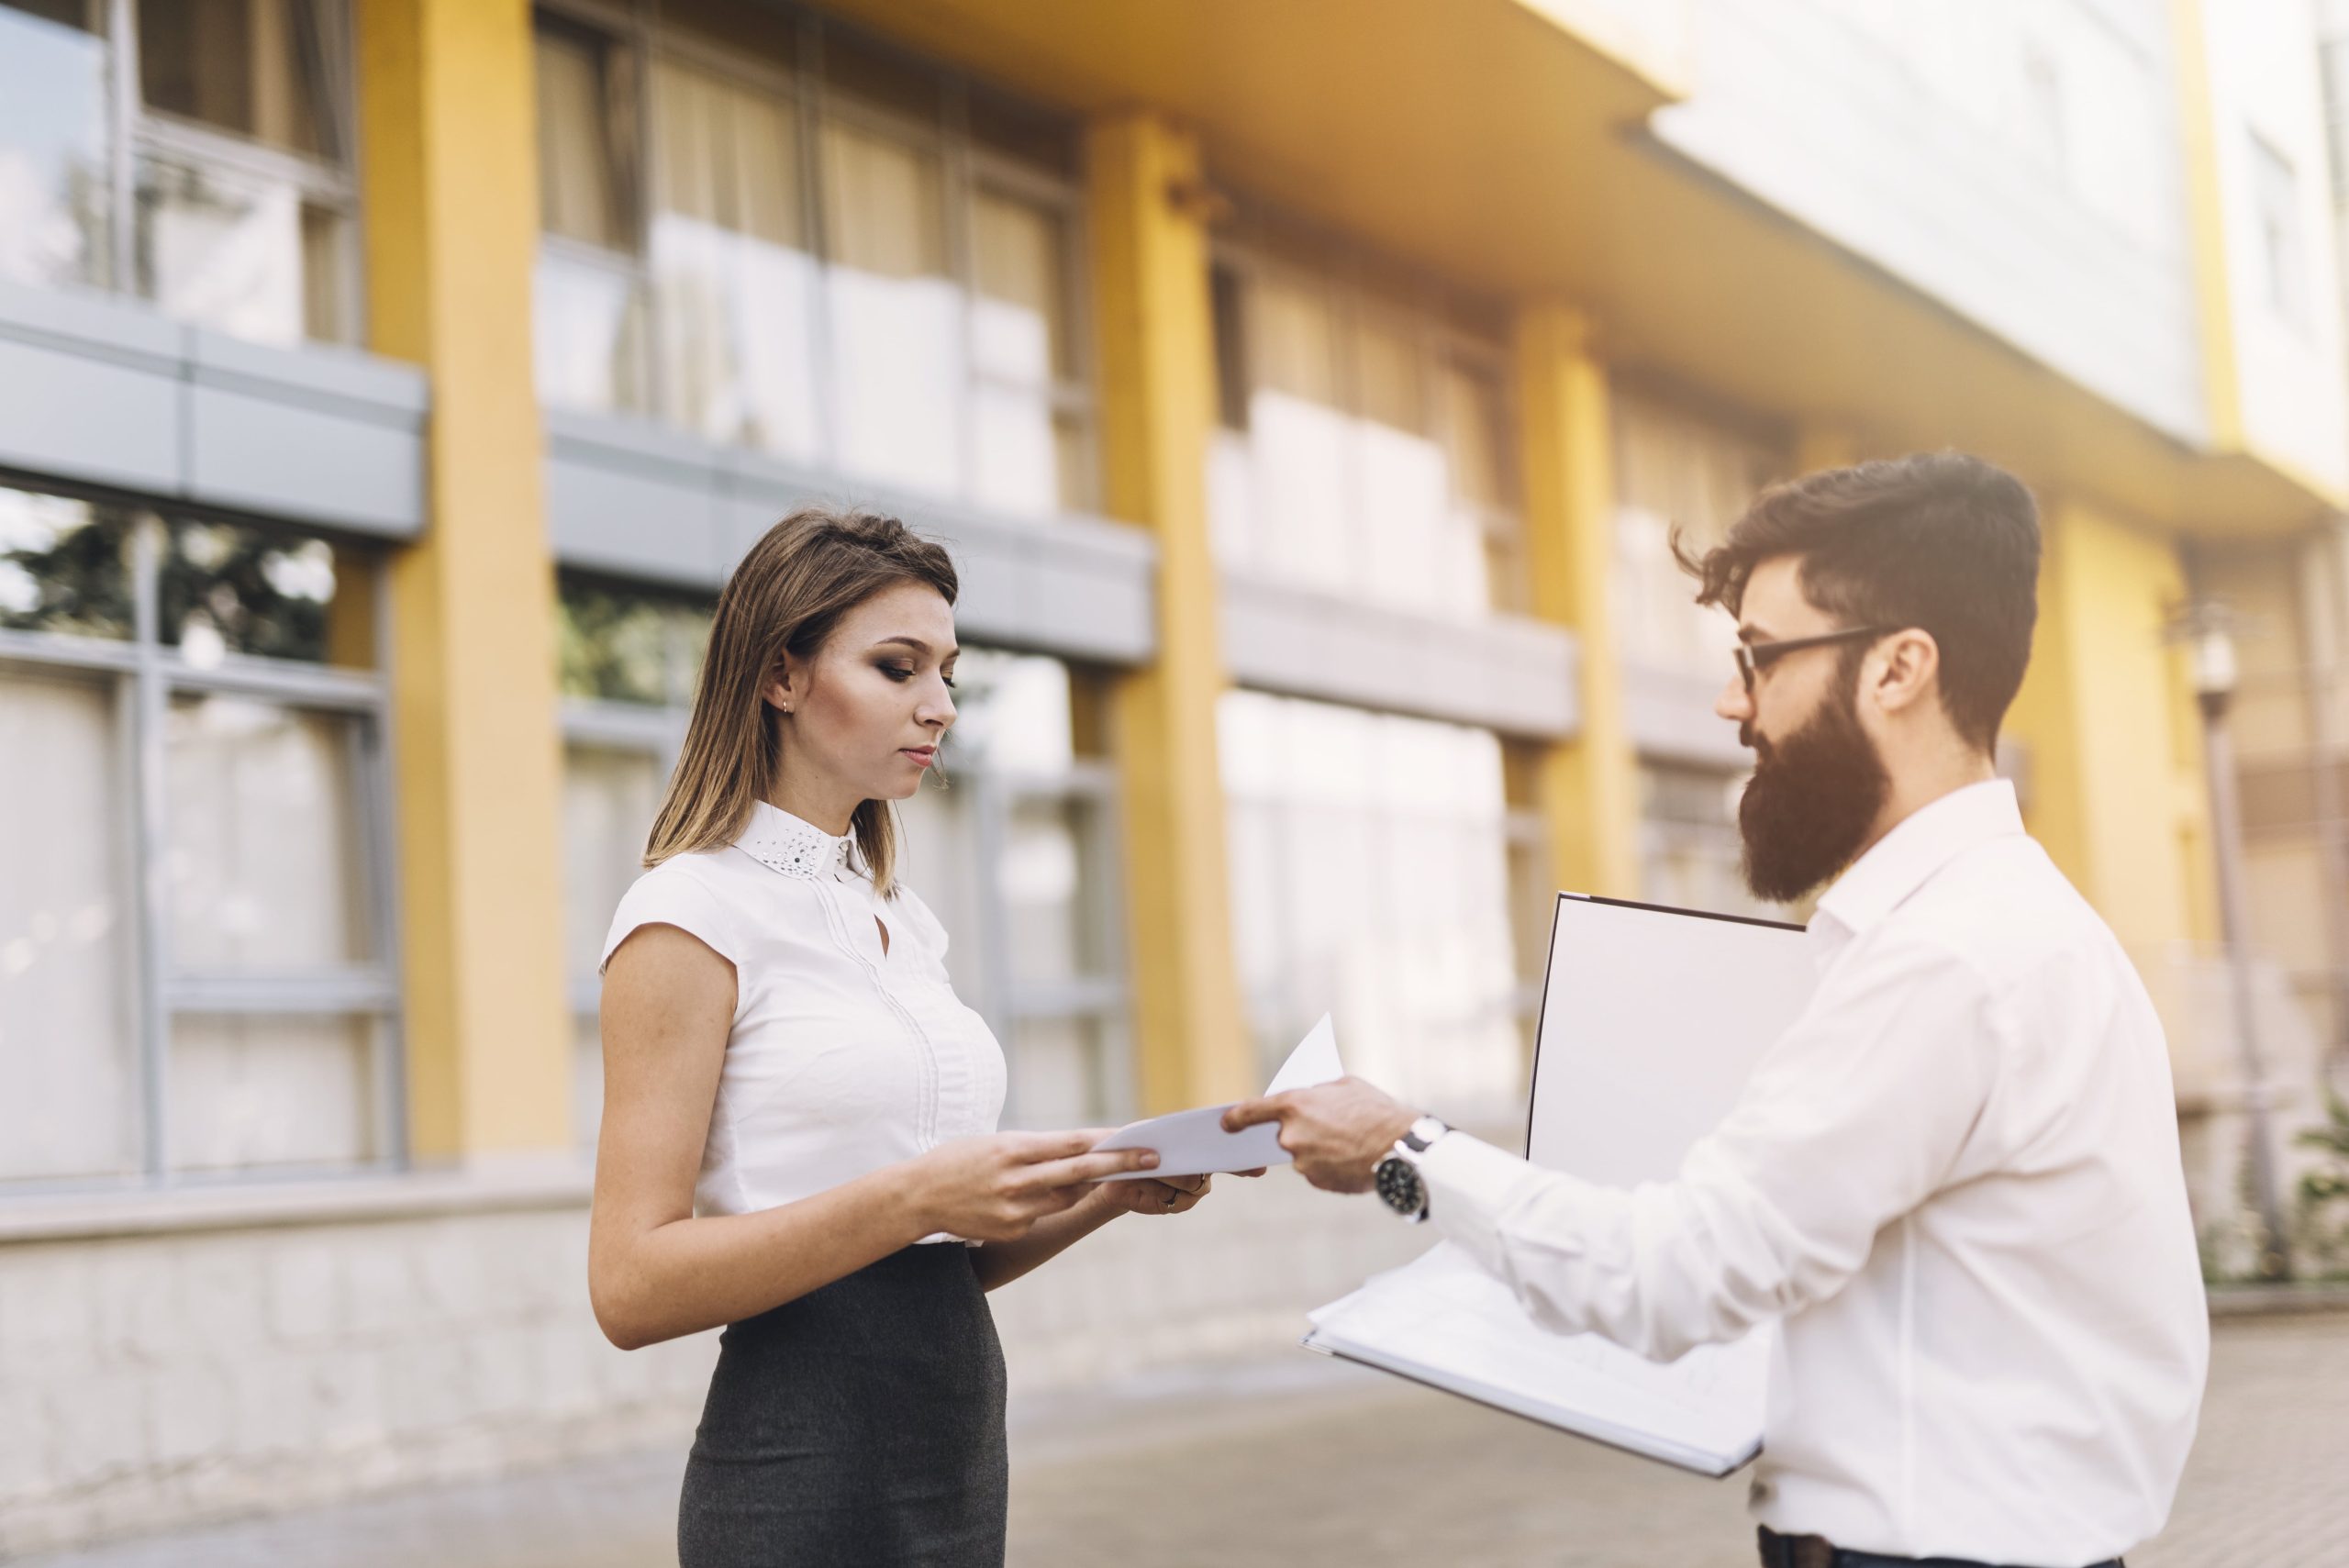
(2017, 160)
(153, 1376)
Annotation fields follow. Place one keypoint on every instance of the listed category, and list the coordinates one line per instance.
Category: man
(1954, 1182)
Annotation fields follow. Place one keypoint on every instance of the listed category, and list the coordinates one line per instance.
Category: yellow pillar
(449, 166)
(1588, 788)
(1157, 371)
(2109, 726)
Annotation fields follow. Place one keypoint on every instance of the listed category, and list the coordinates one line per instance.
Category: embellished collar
(780, 841)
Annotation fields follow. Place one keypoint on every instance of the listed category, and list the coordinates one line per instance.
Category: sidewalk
(1301, 1461)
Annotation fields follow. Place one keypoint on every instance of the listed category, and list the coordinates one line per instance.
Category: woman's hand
(1155, 1195)
(996, 1188)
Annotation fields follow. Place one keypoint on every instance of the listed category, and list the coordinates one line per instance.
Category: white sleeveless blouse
(843, 1058)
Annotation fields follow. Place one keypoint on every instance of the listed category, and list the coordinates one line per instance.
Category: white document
(1651, 1020)
(1193, 1143)
(1442, 1320)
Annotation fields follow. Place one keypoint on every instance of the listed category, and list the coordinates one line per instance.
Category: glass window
(895, 311)
(589, 313)
(63, 566)
(1362, 448)
(609, 795)
(2283, 236)
(1675, 469)
(68, 1031)
(56, 218)
(267, 869)
(254, 68)
(263, 1014)
(830, 272)
(625, 645)
(1371, 879)
(731, 270)
(1690, 849)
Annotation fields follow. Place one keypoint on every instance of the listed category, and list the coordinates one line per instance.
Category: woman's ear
(780, 690)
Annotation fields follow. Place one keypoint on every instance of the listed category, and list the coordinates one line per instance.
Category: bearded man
(1955, 1183)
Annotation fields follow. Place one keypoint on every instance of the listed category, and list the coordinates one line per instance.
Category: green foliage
(2324, 1190)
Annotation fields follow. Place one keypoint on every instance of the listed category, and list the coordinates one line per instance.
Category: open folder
(1651, 1020)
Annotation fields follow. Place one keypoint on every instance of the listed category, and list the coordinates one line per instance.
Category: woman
(799, 1120)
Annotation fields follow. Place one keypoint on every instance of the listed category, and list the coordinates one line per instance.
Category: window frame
(967, 169)
(138, 133)
(144, 675)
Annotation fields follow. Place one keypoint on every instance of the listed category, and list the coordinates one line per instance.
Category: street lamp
(2207, 628)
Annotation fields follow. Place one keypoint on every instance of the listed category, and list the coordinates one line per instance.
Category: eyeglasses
(1752, 658)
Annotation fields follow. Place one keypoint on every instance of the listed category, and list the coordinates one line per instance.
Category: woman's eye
(898, 672)
(950, 682)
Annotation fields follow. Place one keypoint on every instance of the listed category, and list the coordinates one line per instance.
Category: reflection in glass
(254, 68)
(609, 795)
(54, 186)
(251, 1091)
(625, 645)
(586, 138)
(1676, 469)
(1369, 865)
(1690, 849)
(225, 588)
(897, 366)
(1348, 455)
(730, 263)
(1011, 713)
(267, 865)
(63, 566)
(587, 335)
(1020, 346)
(66, 1040)
(1054, 1067)
(236, 254)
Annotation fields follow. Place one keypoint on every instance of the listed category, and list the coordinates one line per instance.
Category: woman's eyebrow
(916, 643)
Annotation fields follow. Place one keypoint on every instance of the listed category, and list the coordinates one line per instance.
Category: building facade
(1308, 395)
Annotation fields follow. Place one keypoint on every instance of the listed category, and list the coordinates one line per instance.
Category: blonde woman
(799, 1124)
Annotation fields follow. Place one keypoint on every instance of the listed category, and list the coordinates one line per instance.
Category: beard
(1810, 803)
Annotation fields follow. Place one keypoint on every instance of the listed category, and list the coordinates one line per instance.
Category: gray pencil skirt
(860, 1424)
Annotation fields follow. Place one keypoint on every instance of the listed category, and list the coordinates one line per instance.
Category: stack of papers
(1443, 1321)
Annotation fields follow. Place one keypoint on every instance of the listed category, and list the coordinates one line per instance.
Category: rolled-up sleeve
(1853, 1118)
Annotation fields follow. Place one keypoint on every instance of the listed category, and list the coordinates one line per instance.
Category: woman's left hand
(1155, 1195)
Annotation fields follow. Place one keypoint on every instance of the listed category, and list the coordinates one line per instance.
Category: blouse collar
(780, 841)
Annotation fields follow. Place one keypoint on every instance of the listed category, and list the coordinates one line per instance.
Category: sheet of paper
(1192, 1142)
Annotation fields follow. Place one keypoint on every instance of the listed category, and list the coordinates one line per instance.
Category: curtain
(67, 1047)
(1675, 469)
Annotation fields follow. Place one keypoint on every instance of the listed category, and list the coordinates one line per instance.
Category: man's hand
(1338, 1131)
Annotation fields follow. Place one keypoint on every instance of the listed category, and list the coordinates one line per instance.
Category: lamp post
(2208, 629)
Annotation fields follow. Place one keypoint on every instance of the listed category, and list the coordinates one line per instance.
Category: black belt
(1816, 1552)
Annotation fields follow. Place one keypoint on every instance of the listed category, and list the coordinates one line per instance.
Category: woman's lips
(925, 755)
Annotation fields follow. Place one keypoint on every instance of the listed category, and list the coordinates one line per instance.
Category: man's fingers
(1254, 1113)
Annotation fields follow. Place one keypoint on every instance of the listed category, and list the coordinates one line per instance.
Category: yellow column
(449, 167)
(2108, 723)
(1588, 788)
(1157, 371)
(1821, 444)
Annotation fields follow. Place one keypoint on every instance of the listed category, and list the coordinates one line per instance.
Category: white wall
(2017, 160)
(2265, 89)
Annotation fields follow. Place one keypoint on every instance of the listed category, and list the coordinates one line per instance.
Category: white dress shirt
(1955, 1183)
(842, 1057)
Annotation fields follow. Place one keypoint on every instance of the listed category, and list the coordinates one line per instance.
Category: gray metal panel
(1507, 673)
(1672, 719)
(316, 462)
(92, 419)
(634, 519)
(1079, 587)
(103, 390)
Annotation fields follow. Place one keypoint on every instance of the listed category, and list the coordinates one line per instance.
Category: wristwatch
(1398, 1176)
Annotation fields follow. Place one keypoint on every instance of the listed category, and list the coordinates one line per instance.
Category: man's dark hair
(1940, 541)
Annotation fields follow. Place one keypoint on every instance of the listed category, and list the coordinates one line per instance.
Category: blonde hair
(786, 595)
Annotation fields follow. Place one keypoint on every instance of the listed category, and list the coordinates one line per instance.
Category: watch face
(1398, 1185)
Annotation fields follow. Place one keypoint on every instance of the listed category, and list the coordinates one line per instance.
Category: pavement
(1304, 1461)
